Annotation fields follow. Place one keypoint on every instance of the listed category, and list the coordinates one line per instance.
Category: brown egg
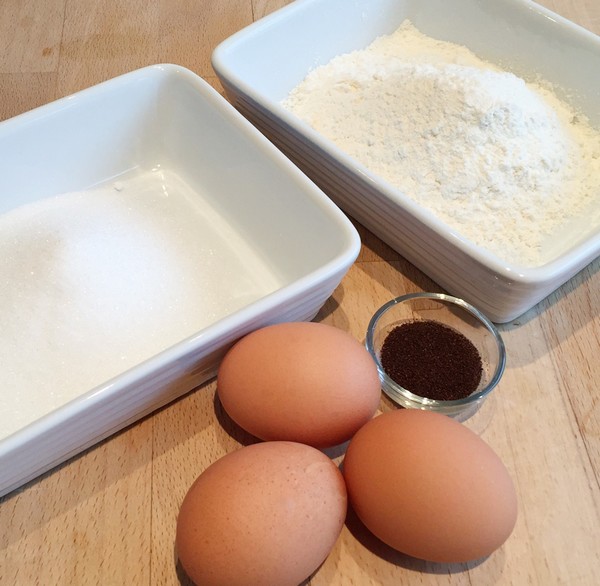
(302, 381)
(429, 487)
(265, 514)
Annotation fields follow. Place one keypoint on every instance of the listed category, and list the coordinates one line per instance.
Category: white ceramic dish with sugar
(161, 135)
(261, 64)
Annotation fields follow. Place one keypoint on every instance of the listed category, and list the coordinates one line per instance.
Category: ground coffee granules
(432, 360)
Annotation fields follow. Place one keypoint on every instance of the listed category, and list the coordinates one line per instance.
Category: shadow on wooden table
(184, 579)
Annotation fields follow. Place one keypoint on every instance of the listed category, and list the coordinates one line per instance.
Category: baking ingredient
(268, 513)
(429, 487)
(502, 162)
(95, 282)
(432, 360)
(300, 381)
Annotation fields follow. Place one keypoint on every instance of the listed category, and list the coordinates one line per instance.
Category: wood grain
(108, 515)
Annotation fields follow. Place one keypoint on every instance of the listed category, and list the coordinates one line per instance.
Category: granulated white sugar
(93, 283)
(502, 162)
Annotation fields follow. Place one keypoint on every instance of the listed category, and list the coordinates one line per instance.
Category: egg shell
(429, 487)
(266, 514)
(300, 381)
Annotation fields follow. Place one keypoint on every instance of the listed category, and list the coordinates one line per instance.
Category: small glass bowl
(452, 312)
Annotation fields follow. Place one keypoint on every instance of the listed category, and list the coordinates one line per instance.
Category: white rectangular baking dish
(165, 122)
(259, 65)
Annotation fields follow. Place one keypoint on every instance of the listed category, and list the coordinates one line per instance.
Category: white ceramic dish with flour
(145, 225)
(261, 64)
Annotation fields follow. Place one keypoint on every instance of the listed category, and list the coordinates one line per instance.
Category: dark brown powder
(432, 360)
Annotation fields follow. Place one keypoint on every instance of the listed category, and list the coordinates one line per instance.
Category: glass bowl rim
(391, 387)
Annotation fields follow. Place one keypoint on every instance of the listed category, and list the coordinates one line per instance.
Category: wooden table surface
(108, 516)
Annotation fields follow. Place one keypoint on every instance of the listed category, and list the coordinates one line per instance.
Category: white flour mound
(503, 162)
